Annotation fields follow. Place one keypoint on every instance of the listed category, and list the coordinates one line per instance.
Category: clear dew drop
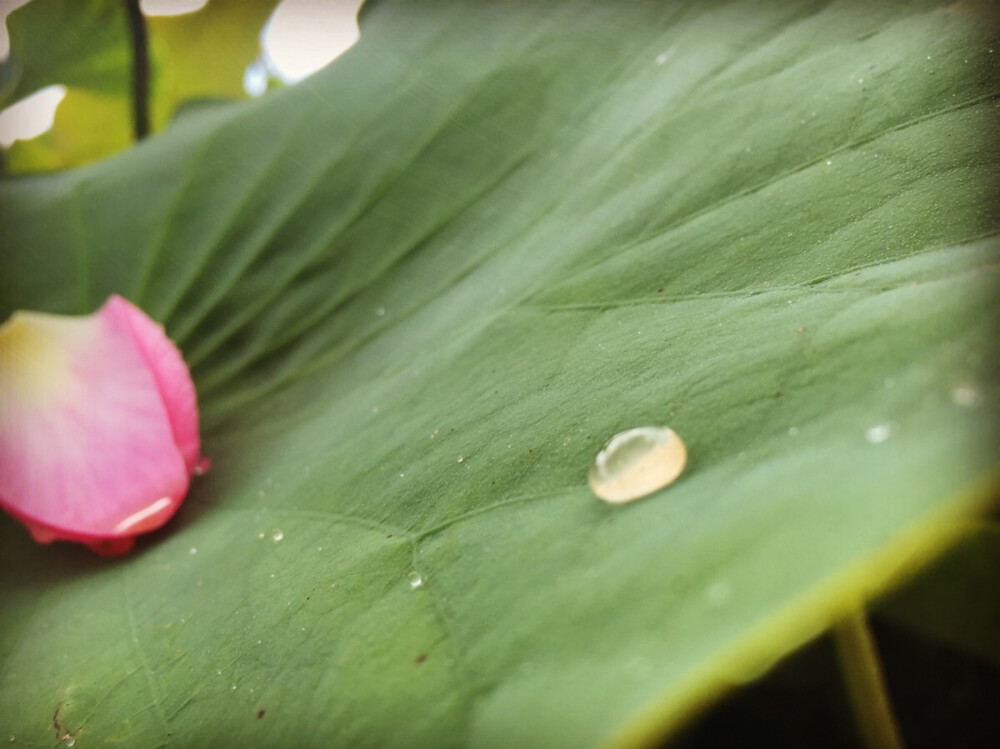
(878, 433)
(637, 462)
(277, 535)
(416, 580)
(192, 551)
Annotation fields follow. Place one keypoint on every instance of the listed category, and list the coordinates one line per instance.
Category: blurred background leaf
(85, 46)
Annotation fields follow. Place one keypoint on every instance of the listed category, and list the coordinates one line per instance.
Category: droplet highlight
(878, 433)
(965, 396)
(637, 462)
(277, 535)
(416, 580)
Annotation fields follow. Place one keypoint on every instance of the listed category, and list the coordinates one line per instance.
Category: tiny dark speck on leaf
(777, 393)
(421, 658)
(659, 291)
(389, 536)
(260, 713)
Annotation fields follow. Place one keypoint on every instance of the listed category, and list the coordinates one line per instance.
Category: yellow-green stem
(865, 683)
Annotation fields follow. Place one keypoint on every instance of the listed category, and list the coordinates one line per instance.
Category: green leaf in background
(85, 126)
(76, 43)
(85, 46)
(204, 55)
(420, 289)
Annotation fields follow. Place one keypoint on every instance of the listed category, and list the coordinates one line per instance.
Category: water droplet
(792, 431)
(192, 550)
(416, 580)
(260, 535)
(277, 535)
(965, 396)
(829, 162)
(878, 433)
(662, 58)
(380, 312)
(461, 459)
(70, 742)
(637, 462)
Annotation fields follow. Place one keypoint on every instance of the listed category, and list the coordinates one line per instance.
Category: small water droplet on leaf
(878, 433)
(637, 462)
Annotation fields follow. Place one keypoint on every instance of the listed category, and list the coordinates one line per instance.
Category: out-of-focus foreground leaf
(420, 289)
(85, 46)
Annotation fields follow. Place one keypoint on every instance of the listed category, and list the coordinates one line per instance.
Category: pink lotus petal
(170, 372)
(98, 426)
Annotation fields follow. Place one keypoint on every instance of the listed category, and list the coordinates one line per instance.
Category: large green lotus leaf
(420, 289)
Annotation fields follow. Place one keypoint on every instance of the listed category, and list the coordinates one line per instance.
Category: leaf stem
(865, 683)
(140, 68)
